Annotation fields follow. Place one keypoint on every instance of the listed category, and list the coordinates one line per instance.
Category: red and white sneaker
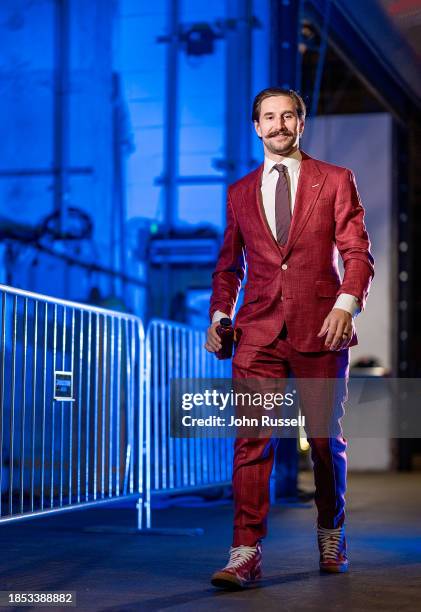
(243, 569)
(332, 547)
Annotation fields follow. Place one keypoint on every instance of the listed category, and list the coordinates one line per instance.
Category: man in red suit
(287, 221)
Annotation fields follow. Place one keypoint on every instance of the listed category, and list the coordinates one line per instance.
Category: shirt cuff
(218, 315)
(348, 302)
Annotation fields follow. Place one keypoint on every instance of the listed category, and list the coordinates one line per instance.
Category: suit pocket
(251, 294)
(326, 289)
(250, 299)
(247, 307)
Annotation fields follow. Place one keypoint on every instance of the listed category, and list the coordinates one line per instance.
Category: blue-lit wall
(201, 100)
(118, 142)
(28, 120)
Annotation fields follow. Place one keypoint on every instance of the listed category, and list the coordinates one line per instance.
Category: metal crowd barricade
(176, 465)
(71, 405)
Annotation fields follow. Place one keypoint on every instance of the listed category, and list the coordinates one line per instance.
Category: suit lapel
(310, 183)
(261, 211)
(253, 205)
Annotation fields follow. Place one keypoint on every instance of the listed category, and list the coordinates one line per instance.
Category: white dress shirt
(345, 301)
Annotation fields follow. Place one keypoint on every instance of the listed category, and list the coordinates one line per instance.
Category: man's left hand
(339, 327)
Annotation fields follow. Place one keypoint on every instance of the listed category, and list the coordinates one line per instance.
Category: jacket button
(282, 298)
(284, 267)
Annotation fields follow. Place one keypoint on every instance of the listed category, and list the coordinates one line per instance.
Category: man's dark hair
(278, 91)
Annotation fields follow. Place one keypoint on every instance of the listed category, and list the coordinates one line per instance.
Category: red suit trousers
(253, 457)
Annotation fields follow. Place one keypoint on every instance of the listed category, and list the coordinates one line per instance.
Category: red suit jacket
(298, 283)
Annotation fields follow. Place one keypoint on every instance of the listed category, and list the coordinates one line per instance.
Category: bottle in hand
(225, 331)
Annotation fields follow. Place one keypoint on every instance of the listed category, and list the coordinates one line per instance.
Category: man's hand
(213, 341)
(339, 327)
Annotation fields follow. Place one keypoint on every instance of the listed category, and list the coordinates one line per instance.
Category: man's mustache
(274, 134)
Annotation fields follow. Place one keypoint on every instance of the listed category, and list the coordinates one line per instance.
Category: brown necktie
(282, 205)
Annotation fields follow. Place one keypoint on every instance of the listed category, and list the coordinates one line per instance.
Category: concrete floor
(123, 572)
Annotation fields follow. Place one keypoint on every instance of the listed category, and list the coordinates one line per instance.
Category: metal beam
(171, 116)
(238, 90)
(194, 180)
(61, 110)
(81, 170)
(352, 43)
(284, 43)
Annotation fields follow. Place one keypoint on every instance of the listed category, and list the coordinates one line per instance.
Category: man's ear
(257, 128)
(302, 125)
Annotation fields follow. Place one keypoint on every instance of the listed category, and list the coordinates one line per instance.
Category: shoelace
(330, 540)
(240, 555)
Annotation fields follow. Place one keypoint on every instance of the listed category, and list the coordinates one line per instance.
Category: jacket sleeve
(230, 267)
(352, 240)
